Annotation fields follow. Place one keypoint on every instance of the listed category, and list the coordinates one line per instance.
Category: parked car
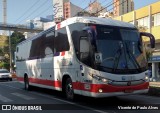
(5, 75)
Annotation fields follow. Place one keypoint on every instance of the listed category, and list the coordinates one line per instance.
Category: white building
(35, 23)
(48, 25)
(58, 10)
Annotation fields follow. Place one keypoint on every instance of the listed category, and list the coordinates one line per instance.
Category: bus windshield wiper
(131, 56)
(116, 60)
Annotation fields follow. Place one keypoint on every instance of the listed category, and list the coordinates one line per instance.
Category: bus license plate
(128, 91)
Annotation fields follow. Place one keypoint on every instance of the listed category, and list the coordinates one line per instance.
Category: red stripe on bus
(89, 87)
(43, 82)
(108, 88)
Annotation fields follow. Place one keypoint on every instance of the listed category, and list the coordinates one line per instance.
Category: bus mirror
(152, 38)
(84, 47)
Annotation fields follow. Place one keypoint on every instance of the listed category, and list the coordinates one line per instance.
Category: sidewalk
(154, 89)
(154, 84)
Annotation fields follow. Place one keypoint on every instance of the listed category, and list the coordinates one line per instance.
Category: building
(50, 17)
(122, 6)
(58, 6)
(35, 23)
(148, 17)
(48, 25)
(96, 8)
(70, 10)
(106, 14)
(64, 9)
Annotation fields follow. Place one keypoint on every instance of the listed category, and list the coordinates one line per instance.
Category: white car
(5, 75)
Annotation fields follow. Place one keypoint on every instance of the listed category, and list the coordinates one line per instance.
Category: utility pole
(5, 14)
(10, 52)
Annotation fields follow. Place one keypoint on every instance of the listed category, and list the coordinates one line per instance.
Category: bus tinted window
(49, 44)
(109, 33)
(42, 46)
(36, 48)
(76, 32)
(61, 40)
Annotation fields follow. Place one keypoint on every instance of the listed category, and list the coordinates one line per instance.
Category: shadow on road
(97, 103)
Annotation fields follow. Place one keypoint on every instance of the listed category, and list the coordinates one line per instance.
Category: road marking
(23, 96)
(5, 99)
(78, 105)
(68, 102)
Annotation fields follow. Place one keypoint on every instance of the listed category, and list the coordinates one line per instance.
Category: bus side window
(49, 44)
(37, 48)
(61, 40)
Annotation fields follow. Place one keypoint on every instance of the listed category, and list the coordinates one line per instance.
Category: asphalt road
(13, 93)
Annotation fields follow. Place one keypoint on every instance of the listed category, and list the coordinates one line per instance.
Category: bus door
(86, 56)
(47, 59)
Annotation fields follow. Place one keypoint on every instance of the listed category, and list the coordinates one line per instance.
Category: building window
(156, 19)
(143, 22)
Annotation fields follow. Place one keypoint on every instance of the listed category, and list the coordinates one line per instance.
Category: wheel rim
(69, 90)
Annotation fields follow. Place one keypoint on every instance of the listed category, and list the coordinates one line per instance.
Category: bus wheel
(26, 83)
(69, 89)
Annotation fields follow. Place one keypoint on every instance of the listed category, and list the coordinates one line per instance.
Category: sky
(18, 11)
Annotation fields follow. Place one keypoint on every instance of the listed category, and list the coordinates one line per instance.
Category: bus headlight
(10, 75)
(146, 78)
(100, 79)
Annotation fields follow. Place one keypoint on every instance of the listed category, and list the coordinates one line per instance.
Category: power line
(43, 11)
(89, 4)
(109, 6)
(83, 1)
(46, 11)
(118, 5)
(108, 3)
(35, 10)
(86, 7)
(27, 10)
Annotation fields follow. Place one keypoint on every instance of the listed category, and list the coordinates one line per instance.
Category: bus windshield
(121, 50)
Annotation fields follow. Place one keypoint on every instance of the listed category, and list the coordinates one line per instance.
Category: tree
(16, 38)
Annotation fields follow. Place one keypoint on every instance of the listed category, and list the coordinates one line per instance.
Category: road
(13, 93)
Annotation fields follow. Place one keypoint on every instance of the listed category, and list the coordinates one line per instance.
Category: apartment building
(122, 6)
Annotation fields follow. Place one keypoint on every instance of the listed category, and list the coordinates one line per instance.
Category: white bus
(89, 56)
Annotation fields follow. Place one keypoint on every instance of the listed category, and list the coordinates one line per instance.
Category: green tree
(3, 54)
(16, 38)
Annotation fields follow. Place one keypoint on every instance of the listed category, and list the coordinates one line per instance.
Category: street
(12, 92)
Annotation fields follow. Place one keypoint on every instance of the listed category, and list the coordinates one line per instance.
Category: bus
(89, 56)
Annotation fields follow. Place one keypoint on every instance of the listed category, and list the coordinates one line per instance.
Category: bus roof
(97, 20)
(93, 20)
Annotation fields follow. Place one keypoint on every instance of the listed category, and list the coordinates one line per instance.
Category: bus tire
(69, 92)
(26, 83)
